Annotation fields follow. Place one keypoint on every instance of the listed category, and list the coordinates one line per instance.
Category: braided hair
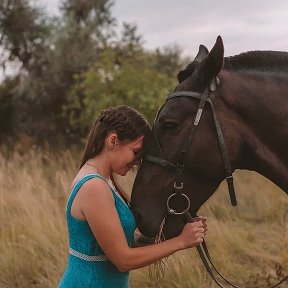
(123, 120)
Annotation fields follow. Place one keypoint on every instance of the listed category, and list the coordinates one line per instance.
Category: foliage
(169, 60)
(24, 32)
(115, 81)
(74, 65)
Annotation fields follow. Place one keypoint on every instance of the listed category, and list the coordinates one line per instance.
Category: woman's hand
(193, 233)
(204, 221)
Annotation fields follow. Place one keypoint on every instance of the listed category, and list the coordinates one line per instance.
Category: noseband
(157, 156)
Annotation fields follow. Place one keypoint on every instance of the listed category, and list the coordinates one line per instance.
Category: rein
(157, 156)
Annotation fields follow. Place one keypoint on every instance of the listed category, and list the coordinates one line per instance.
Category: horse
(244, 108)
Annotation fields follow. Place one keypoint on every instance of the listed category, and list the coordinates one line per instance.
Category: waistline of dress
(96, 258)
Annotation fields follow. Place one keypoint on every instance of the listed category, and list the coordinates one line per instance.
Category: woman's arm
(98, 206)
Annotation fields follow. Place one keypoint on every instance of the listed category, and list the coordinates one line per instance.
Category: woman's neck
(101, 166)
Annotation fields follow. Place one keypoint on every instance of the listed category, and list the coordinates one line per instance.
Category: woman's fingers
(193, 233)
(200, 218)
(202, 227)
(203, 220)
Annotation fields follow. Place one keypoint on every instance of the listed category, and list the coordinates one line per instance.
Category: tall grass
(251, 239)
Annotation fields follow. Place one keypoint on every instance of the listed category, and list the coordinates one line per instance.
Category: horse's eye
(170, 125)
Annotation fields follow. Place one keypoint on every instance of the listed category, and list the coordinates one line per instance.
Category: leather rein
(157, 156)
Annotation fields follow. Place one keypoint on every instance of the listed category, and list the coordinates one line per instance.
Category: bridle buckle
(180, 187)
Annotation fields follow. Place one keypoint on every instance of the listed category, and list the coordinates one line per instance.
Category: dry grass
(251, 239)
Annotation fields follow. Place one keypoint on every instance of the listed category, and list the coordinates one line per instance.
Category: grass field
(249, 243)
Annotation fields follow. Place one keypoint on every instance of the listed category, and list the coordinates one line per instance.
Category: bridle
(156, 155)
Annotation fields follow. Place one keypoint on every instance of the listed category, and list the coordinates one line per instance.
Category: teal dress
(87, 266)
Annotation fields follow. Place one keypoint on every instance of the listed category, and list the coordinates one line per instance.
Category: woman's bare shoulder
(95, 190)
(92, 194)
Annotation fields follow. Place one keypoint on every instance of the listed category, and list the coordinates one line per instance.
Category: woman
(100, 224)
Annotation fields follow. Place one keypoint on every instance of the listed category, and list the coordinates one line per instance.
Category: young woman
(100, 224)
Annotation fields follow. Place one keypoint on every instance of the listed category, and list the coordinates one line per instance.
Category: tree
(169, 60)
(134, 82)
(6, 108)
(24, 40)
(73, 66)
(23, 31)
(92, 16)
(52, 52)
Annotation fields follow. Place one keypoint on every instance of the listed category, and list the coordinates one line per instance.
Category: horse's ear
(202, 54)
(184, 74)
(213, 63)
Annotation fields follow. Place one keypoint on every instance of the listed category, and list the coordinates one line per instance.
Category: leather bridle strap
(225, 157)
(204, 255)
(190, 137)
(181, 158)
(205, 263)
(206, 259)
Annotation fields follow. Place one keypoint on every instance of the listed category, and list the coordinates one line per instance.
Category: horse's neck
(258, 113)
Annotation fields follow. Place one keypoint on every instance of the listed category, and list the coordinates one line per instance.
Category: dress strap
(77, 186)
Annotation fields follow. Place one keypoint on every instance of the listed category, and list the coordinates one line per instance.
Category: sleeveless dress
(87, 266)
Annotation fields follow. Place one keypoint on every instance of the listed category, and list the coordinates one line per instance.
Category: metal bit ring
(174, 212)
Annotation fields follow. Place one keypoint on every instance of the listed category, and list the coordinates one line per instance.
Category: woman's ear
(112, 140)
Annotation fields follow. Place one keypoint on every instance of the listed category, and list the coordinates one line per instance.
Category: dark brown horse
(251, 102)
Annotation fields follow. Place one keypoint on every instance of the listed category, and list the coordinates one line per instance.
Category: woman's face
(126, 155)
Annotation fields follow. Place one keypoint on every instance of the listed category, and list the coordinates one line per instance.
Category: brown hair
(125, 121)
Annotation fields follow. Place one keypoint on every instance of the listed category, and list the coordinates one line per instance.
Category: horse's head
(203, 164)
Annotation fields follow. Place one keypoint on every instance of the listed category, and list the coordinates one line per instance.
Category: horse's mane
(273, 61)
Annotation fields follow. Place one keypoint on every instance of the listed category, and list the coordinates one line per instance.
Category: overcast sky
(243, 24)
